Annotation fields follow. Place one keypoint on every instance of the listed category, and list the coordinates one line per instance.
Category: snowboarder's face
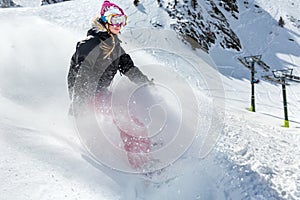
(114, 29)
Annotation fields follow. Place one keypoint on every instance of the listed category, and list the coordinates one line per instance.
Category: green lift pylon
(249, 62)
(281, 77)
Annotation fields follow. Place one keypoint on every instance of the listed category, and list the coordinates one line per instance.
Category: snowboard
(132, 131)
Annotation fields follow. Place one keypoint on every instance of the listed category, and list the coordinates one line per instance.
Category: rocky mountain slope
(7, 4)
(204, 22)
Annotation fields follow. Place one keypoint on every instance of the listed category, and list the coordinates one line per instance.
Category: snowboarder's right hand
(151, 82)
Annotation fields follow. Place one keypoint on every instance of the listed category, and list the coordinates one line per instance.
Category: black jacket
(95, 63)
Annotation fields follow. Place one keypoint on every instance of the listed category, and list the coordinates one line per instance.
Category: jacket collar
(101, 31)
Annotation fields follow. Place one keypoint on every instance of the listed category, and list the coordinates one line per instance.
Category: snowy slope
(41, 154)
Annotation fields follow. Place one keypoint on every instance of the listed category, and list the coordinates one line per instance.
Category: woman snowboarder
(93, 67)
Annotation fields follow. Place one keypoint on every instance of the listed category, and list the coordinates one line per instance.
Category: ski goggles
(115, 19)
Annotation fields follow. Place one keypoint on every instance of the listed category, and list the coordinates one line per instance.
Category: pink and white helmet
(109, 8)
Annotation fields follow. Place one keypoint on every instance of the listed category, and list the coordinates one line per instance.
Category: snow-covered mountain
(205, 22)
(241, 155)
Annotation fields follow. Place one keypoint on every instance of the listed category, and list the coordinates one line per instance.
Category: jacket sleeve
(72, 74)
(80, 72)
(126, 67)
